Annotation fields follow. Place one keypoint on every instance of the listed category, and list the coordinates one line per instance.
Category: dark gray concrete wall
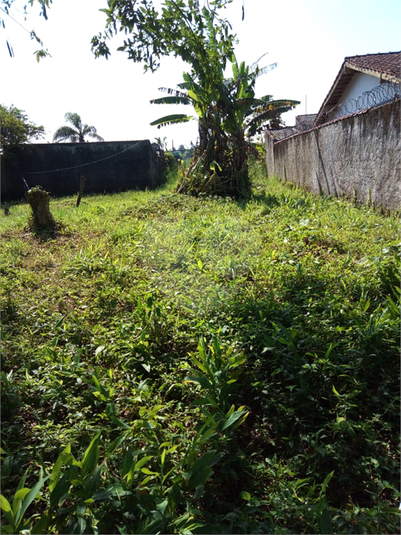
(57, 167)
(358, 156)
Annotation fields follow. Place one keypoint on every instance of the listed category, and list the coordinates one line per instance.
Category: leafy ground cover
(177, 364)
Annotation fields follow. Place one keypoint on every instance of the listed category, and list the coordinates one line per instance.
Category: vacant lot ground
(201, 365)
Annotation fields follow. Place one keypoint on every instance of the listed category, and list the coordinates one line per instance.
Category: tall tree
(196, 32)
(77, 132)
(16, 128)
(178, 29)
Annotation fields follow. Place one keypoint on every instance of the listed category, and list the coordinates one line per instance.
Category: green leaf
(202, 468)
(116, 490)
(177, 118)
(93, 483)
(6, 469)
(91, 455)
(4, 504)
(6, 508)
(232, 517)
(65, 457)
(207, 431)
(237, 361)
(163, 458)
(327, 480)
(128, 462)
(201, 365)
(18, 497)
(142, 462)
(81, 523)
(162, 506)
(199, 492)
(215, 165)
(200, 380)
(178, 99)
(235, 417)
(230, 411)
(245, 495)
(149, 472)
(114, 445)
(60, 490)
(119, 422)
(32, 494)
(41, 526)
(326, 527)
(335, 391)
(22, 482)
(168, 474)
(103, 394)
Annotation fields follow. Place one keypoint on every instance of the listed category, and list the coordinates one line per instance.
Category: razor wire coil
(385, 92)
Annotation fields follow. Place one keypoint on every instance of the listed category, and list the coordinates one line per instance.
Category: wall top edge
(339, 119)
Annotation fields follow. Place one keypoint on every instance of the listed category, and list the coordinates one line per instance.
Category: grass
(180, 364)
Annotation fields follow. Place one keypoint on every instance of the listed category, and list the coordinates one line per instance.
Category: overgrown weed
(131, 321)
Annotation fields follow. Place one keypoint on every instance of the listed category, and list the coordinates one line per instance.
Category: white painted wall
(359, 83)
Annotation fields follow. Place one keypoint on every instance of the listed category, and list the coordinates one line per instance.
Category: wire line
(84, 164)
(19, 24)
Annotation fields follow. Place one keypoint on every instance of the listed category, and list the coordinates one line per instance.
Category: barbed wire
(385, 92)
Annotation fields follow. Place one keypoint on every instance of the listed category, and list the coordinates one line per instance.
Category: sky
(308, 39)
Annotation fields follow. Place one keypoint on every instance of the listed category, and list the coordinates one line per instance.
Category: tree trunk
(38, 200)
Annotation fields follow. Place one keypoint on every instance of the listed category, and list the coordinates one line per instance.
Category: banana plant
(247, 113)
(228, 115)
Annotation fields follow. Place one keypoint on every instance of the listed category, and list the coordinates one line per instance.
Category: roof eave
(381, 75)
(330, 93)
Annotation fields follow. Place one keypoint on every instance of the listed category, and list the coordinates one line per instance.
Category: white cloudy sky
(308, 38)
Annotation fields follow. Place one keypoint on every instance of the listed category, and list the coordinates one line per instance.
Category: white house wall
(359, 83)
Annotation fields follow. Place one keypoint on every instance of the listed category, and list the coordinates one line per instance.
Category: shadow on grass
(297, 351)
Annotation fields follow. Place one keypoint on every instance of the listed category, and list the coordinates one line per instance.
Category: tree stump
(39, 200)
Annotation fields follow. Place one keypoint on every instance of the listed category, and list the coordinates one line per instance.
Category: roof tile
(388, 63)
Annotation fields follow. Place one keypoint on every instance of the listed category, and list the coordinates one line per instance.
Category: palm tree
(161, 142)
(76, 134)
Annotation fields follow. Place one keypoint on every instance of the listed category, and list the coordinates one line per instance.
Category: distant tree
(16, 128)
(161, 142)
(77, 132)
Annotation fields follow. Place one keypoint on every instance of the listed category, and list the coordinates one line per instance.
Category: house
(363, 82)
(352, 146)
